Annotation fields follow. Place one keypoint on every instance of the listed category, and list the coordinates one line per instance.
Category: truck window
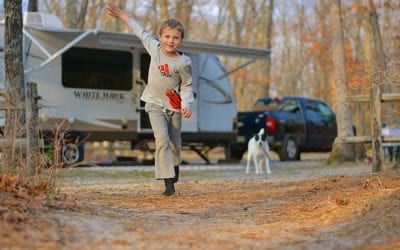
(97, 69)
(289, 105)
(312, 111)
(325, 111)
(266, 103)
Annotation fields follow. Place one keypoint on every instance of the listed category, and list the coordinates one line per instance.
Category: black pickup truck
(293, 125)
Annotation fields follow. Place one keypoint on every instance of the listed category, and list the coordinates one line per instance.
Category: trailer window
(97, 69)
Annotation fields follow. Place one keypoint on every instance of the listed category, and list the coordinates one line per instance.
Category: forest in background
(297, 31)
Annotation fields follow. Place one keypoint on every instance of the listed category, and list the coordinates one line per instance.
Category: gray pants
(166, 125)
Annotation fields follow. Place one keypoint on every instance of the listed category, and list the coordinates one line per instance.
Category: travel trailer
(93, 79)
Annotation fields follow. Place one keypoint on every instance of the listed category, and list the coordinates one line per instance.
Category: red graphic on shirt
(174, 98)
(164, 70)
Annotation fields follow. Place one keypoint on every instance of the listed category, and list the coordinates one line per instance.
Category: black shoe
(176, 179)
(169, 187)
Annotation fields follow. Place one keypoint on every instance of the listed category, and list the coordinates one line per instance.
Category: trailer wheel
(72, 153)
(289, 150)
(235, 152)
(147, 146)
(73, 149)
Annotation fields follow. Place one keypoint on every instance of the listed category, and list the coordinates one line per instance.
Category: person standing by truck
(168, 94)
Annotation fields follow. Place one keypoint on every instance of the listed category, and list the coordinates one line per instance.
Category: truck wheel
(289, 150)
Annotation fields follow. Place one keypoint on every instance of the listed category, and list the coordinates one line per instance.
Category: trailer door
(144, 74)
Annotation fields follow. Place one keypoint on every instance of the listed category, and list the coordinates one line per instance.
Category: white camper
(94, 79)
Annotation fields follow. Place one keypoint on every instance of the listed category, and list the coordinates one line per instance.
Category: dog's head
(260, 137)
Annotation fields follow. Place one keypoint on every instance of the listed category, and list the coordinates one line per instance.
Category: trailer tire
(73, 149)
(72, 153)
(235, 152)
(290, 150)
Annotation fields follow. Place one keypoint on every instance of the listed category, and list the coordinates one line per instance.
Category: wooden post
(376, 126)
(32, 136)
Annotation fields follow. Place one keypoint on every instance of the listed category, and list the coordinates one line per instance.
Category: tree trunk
(183, 12)
(220, 20)
(237, 25)
(359, 58)
(121, 5)
(14, 68)
(164, 15)
(14, 74)
(341, 152)
(379, 53)
(268, 46)
(80, 22)
(54, 7)
(95, 10)
(71, 14)
(76, 18)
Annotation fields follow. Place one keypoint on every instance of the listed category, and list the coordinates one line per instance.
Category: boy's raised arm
(115, 11)
(149, 42)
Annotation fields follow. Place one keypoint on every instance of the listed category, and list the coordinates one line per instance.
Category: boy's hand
(115, 11)
(187, 113)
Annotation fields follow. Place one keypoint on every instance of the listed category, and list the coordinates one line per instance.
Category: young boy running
(168, 94)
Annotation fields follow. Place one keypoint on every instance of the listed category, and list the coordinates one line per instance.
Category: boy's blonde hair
(173, 24)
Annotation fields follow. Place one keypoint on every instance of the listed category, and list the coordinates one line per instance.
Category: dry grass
(40, 175)
(333, 212)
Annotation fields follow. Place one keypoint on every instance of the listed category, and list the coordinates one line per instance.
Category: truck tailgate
(249, 123)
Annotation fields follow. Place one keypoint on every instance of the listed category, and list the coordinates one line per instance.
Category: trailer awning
(55, 39)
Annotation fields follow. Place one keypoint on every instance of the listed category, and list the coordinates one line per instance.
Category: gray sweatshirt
(170, 80)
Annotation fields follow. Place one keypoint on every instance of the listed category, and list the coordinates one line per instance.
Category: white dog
(258, 151)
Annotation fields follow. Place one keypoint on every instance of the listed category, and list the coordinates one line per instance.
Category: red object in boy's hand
(174, 98)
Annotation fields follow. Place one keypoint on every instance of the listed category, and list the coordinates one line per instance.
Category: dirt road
(300, 206)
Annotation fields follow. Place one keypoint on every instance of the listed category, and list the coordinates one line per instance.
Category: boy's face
(170, 39)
